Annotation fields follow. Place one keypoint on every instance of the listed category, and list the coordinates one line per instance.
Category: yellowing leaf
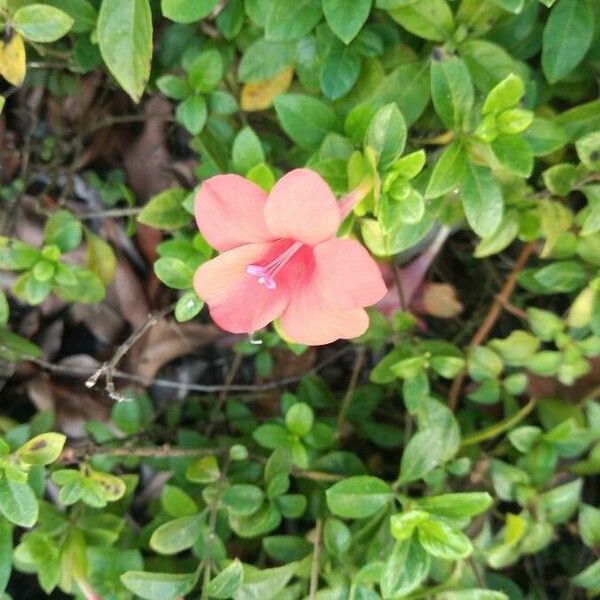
(100, 257)
(113, 487)
(259, 95)
(12, 59)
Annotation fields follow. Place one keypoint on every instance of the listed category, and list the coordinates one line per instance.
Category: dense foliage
(451, 452)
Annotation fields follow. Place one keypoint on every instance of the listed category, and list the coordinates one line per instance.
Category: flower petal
(236, 301)
(348, 275)
(229, 212)
(302, 207)
(308, 319)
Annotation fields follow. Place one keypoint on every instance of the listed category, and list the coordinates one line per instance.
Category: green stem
(500, 427)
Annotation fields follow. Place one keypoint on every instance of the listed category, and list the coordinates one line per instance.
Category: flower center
(266, 274)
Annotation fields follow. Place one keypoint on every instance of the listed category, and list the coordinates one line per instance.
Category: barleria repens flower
(280, 259)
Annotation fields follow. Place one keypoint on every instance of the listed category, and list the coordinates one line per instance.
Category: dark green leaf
(339, 72)
(567, 37)
(292, 21)
(305, 119)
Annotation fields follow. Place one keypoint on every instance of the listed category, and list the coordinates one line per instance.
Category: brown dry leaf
(548, 387)
(165, 342)
(439, 300)
(12, 59)
(126, 295)
(147, 160)
(72, 404)
(259, 95)
(101, 319)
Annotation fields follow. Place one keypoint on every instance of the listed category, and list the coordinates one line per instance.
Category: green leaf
(337, 536)
(292, 21)
(242, 499)
(402, 526)
(158, 586)
(562, 276)
(84, 286)
(18, 503)
(173, 87)
(299, 418)
(514, 153)
(84, 15)
(484, 363)
(589, 578)
(513, 6)
(177, 535)
(514, 120)
(358, 497)
(247, 151)
(405, 570)
(175, 501)
(482, 200)
(192, 114)
(259, 523)
(473, 594)
(227, 582)
(184, 11)
(567, 37)
(174, 273)
(305, 119)
(413, 78)
(580, 120)
(456, 506)
(588, 150)
(286, 548)
(17, 256)
(545, 136)
(203, 470)
(271, 436)
(506, 94)
(264, 59)
(6, 553)
(13, 347)
(64, 230)
(589, 526)
(516, 348)
(429, 19)
(448, 171)
(188, 306)
(125, 38)
(346, 18)
(424, 452)
(339, 71)
(488, 63)
(30, 289)
(43, 449)
(41, 23)
(4, 310)
(561, 502)
(206, 71)
(443, 541)
(387, 134)
(451, 90)
(165, 210)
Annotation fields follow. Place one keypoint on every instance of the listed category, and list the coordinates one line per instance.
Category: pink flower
(280, 259)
